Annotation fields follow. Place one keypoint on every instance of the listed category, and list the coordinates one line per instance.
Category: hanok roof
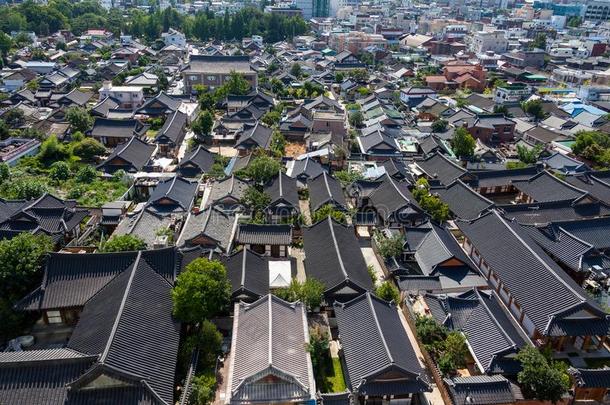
(598, 188)
(213, 224)
(375, 344)
(305, 168)
(566, 164)
(333, 256)
(594, 231)
(283, 192)
(172, 195)
(257, 136)
(134, 153)
(323, 190)
(378, 142)
(104, 107)
(173, 130)
(126, 305)
(545, 187)
(199, 158)
(230, 187)
(248, 273)
(496, 178)
(493, 336)
(464, 202)
(591, 378)
(47, 215)
(264, 347)
(440, 167)
(160, 104)
(104, 127)
(482, 390)
(264, 234)
(544, 291)
(545, 212)
(394, 201)
(75, 97)
(219, 64)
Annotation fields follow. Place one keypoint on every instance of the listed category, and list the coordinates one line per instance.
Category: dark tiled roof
(323, 190)
(200, 157)
(591, 378)
(439, 167)
(47, 214)
(594, 231)
(464, 202)
(393, 200)
(561, 245)
(375, 342)
(255, 234)
(545, 187)
(135, 152)
(211, 223)
(436, 247)
(283, 191)
(307, 168)
(481, 390)
(173, 130)
(263, 346)
(248, 273)
(537, 283)
(333, 255)
(494, 178)
(598, 188)
(545, 212)
(258, 136)
(492, 334)
(103, 127)
(172, 195)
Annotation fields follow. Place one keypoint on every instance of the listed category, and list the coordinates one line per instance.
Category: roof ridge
(121, 308)
(537, 256)
(397, 190)
(382, 337)
(332, 233)
(270, 339)
(327, 186)
(243, 268)
(493, 318)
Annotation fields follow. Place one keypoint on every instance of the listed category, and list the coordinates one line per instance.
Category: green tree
(539, 42)
(356, 119)
(439, 125)
(271, 118)
(59, 171)
(5, 172)
(318, 345)
(237, 84)
(529, 155)
(463, 143)
(432, 204)
(310, 293)
(79, 119)
(296, 70)
(202, 291)
(429, 331)
(255, 199)
(541, 378)
(534, 108)
(574, 21)
(123, 243)
(6, 43)
(88, 148)
(328, 210)
(86, 174)
(388, 291)
(389, 246)
(5, 130)
(22, 258)
(346, 177)
(52, 151)
(24, 189)
(456, 348)
(204, 389)
(278, 143)
(209, 341)
(262, 169)
(204, 123)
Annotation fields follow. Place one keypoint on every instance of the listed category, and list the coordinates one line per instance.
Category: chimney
(107, 85)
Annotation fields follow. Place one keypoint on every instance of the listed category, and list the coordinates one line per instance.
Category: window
(193, 78)
(211, 78)
(54, 317)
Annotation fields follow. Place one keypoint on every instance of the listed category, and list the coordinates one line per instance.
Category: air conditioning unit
(160, 242)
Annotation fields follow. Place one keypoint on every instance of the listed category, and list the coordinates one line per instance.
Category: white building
(494, 41)
(174, 37)
(128, 96)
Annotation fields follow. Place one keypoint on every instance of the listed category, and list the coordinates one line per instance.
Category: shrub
(389, 292)
(123, 243)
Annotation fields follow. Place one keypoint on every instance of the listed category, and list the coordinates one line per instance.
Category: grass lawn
(329, 377)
